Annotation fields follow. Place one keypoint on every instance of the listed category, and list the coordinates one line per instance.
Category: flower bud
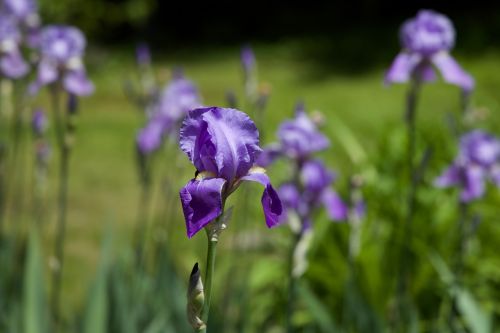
(196, 299)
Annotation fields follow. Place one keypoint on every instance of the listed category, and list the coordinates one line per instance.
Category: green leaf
(96, 315)
(477, 320)
(34, 298)
(319, 311)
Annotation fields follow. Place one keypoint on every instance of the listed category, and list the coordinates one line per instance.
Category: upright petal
(271, 202)
(197, 143)
(335, 207)
(76, 82)
(315, 176)
(290, 196)
(201, 203)
(226, 137)
(402, 68)
(452, 72)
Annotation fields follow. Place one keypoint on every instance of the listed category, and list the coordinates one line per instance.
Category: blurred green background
(334, 62)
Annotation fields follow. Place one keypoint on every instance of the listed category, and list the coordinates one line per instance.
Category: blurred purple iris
(478, 160)
(223, 145)
(180, 96)
(25, 11)
(12, 64)
(299, 139)
(313, 190)
(39, 122)
(62, 49)
(426, 41)
(248, 61)
(143, 55)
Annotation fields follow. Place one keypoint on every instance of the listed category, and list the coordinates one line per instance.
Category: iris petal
(270, 200)
(225, 139)
(402, 68)
(452, 72)
(334, 205)
(76, 82)
(201, 203)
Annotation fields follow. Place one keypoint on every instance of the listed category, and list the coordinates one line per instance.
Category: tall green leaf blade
(35, 313)
(97, 311)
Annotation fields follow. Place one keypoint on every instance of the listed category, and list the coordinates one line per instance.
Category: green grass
(104, 188)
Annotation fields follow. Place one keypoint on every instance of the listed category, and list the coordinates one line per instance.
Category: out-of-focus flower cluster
(311, 186)
(57, 50)
(166, 112)
(478, 161)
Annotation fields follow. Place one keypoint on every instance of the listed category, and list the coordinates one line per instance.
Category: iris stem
(292, 285)
(60, 123)
(405, 260)
(463, 235)
(209, 272)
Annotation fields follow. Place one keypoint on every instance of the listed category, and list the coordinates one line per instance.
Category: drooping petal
(269, 155)
(47, 72)
(271, 203)
(473, 187)
(13, 65)
(335, 207)
(452, 72)
(402, 68)
(495, 174)
(150, 137)
(359, 209)
(220, 137)
(76, 82)
(201, 203)
(450, 177)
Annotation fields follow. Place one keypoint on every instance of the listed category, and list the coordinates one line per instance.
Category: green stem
(405, 260)
(209, 272)
(463, 235)
(62, 203)
(292, 285)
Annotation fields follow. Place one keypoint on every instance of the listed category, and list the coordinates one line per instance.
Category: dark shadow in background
(347, 37)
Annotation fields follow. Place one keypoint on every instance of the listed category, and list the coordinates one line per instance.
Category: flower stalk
(64, 125)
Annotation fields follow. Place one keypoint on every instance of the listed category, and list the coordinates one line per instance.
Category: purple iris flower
(299, 138)
(180, 96)
(39, 122)
(62, 49)
(427, 40)
(311, 187)
(223, 145)
(247, 59)
(143, 55)
(23, 10)
(477, 161)
(313, 191)
(12, 64)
